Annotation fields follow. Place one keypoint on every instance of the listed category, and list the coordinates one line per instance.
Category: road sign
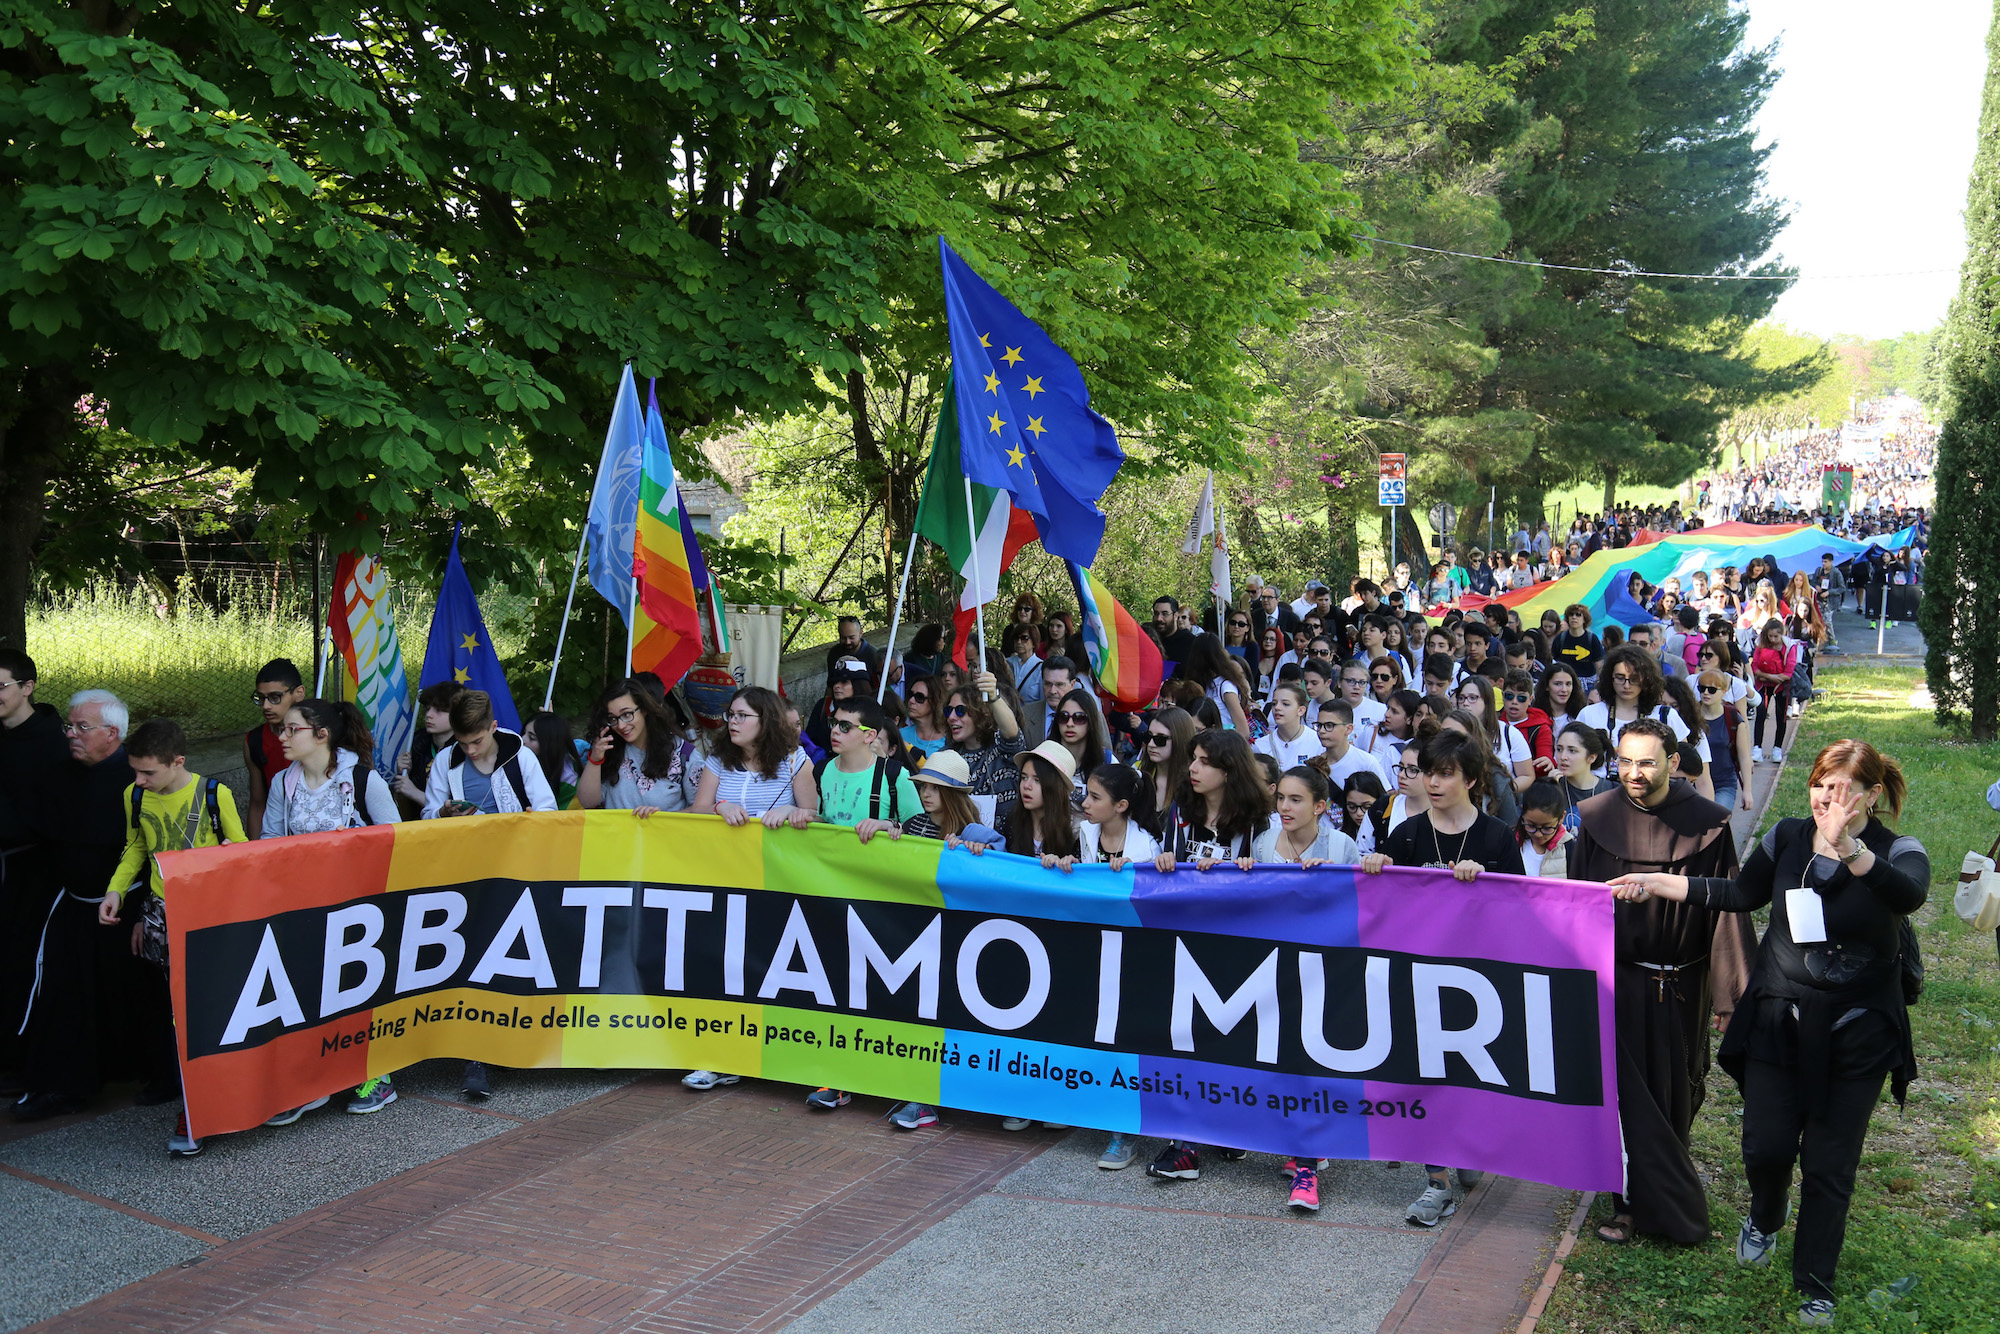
(1443, 518)
(1389, 491)
(1389, 467)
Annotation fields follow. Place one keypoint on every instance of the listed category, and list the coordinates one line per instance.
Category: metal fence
(183, 633)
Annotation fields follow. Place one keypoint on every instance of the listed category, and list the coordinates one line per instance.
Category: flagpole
(896, 620)
(562, 630)
(632, 625)
(979, 610)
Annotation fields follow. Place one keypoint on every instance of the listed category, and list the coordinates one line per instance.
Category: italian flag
(944, 519)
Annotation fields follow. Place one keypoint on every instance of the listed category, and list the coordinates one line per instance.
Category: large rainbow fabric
(1405, 1015)
(666, 633)
(369, 656)
(1123, 658)
(1599, 582)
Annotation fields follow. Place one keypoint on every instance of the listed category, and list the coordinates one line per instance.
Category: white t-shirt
(1387, 750)
(1598, 715)
(1218, 690)
(1398, 812)
(1512, 748)
(1353, 762)
(1288, 753)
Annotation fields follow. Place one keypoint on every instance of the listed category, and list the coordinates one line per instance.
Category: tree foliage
(363, 251)
(1633, 152)
(1960, 611)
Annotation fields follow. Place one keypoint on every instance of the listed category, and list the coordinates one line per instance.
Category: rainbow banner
(1402, 1016)
(1123, 657)
(1600, 583)
(370, 656)
(666, 632)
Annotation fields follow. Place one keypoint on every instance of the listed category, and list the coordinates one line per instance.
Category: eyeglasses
(81, 729)
(738, 716)
(625, 717)
(1072, 716)
(1537, 827)
(1324, 723)
(1361, 807)
(956, 711)
(269, 697)
(4, 685)
(1159, 739)
(294, 729)
(1408, 770)
(1623, 679)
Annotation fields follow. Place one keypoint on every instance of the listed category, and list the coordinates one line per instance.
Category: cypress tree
(1960, 613)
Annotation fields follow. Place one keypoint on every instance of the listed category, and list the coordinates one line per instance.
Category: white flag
(1203, 522)
(1220, 585)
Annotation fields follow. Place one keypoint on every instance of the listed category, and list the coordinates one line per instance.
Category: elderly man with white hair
(78, 957)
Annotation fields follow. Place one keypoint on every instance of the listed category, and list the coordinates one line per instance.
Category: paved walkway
(585, 1203)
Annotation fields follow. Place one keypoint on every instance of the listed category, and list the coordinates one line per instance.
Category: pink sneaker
(1305, 1191)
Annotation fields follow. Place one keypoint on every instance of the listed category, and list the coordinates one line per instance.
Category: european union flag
(1025, 423)
(460, 649)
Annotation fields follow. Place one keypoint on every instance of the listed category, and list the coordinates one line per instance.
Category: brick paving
(655, 1211)
(647, 1209)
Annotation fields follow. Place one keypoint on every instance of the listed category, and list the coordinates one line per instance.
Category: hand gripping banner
(1402, 1016)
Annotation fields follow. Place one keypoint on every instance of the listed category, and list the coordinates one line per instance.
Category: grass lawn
(1927, 1201)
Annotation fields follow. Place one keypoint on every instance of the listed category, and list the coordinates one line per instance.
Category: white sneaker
(704, 1080)
(1777, 756)
(1756, 754)
(1016, 1122)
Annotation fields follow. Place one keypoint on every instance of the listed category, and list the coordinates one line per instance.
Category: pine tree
(1636, 150)
(1960, 612)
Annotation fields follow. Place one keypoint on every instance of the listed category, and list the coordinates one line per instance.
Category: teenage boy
(1317, 676)
(1521, 658)
(33, 755)
(169, 809)
(1290, 742)
(279, 686)
(855, 785)
(1517, 706)
(1343, 758)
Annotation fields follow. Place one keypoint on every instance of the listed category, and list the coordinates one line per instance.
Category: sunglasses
(1516, 697)
(1711, 690)
(1072, 716)
(843, 726)
(1159, 739)
(956, 711)
(920, 699)
(1381, 676)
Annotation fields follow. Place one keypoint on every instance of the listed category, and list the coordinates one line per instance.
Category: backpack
(1801, 687)
(152, 910)
(1691, 645)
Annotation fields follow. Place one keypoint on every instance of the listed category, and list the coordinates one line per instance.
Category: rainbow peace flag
(1123, 658)
(666, 630)
(1599, 584)
(369, 657)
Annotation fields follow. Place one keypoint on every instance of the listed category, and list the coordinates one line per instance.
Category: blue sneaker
(1118, 1154)
(372, 1096)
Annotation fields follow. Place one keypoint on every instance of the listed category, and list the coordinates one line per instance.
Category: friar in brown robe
(1656, 821)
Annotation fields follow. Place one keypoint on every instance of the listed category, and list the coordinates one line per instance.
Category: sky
(1874, 118)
